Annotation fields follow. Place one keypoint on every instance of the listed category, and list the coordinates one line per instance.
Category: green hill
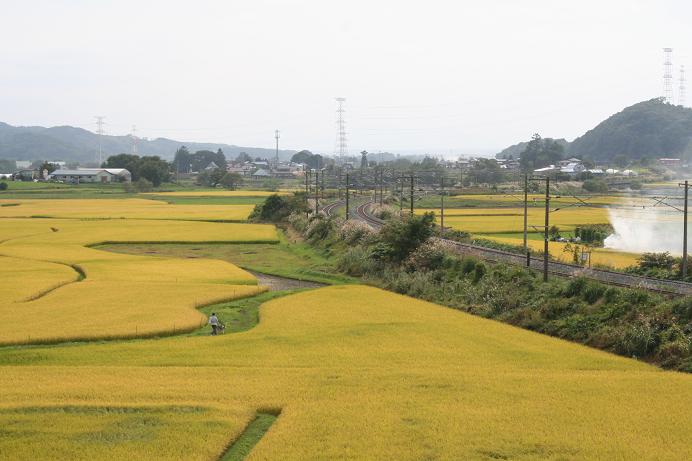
(78, 145)
(653, 129)
(648, 129)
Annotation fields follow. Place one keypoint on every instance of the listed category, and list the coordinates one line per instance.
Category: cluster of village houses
(262, 170)
(574, 166)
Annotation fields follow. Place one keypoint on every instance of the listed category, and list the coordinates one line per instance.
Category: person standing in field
(214, 322)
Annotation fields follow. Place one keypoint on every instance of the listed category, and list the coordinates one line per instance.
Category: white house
(92, 175)
(572, 168)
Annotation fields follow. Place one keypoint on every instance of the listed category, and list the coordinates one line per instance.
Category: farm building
(98, 175)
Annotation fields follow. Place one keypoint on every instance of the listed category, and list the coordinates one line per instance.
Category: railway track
(555, 268)
(329, 209)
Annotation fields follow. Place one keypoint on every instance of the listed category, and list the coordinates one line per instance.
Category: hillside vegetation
(649, 129)
(72, 144)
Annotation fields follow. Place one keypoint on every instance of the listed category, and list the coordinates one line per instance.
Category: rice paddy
(358, 373)
(504, 222)
(353, 372)
(131, 208)
(76, 292)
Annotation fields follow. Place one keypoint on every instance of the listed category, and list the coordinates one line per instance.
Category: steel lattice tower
(134, 139)
(99, 131)
(681, 87)
(342, 146)
(668, 75)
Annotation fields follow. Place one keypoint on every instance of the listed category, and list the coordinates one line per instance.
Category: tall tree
(540, 153)
(182, 160)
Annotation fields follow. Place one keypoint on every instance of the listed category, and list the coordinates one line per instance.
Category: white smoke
(640, 229)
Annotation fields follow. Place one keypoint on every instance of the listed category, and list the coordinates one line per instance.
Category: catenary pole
(412, 196)
(347, 198)
(547, 223)
(684, 233)
(442, 206)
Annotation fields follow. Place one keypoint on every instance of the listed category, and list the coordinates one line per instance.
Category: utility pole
(684, 231)
(381, 184)
(317, 190)
(546, 237)
(411, 195)
(322, 186)
(442, 206)
(526, 210)
(347, 194)
(526, 219)
(307, 192)
(401, 196)
(99, 131)
(547, 223)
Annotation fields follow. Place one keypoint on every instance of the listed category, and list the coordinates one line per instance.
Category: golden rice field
(555, 199)
(357, 373)
(134, 208)
(504, 220)
(599, 256)
(75, 292)
(217, 193)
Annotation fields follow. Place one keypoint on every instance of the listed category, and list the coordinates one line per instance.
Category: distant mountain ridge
(653, 129)
(79, 145)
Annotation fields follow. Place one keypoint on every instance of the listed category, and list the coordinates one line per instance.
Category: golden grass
(123, 295)
(134, 208)
(557, 199)
(501, 220)
(601, 256)
(218, 193)
(22, 279)
(359, 373)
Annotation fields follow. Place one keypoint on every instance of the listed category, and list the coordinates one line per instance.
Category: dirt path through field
(276, 283)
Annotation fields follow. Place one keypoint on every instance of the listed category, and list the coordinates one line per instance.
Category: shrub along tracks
(556, 268)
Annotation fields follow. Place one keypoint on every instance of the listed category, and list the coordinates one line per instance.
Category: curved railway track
(554, 267)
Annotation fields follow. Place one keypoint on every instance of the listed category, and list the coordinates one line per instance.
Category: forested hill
(651, 129)
(78, 145)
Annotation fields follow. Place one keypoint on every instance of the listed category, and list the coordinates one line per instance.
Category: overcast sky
(437, 76)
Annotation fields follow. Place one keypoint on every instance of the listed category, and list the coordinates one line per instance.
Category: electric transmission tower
(668, 75)
(681, 87)
(99, 131)
(134, 139)
(276, 136)
(342, 149)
